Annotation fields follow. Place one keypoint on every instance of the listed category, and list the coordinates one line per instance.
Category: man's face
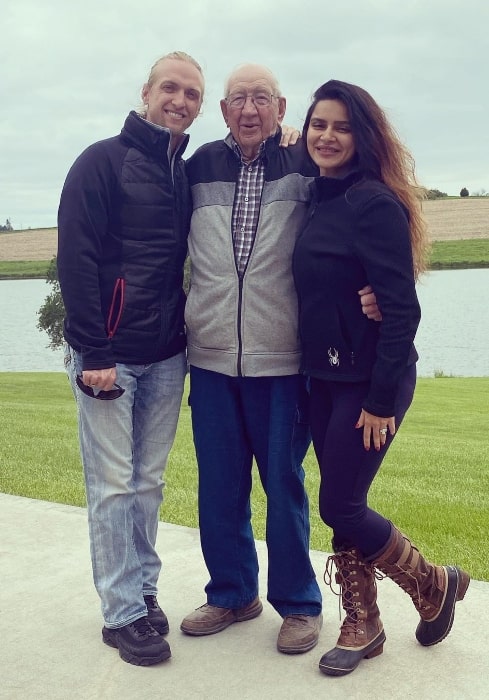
(174, 98)
(261, 113)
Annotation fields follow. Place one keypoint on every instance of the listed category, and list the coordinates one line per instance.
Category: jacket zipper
(239, 367)
(118, 294)
(240, 337)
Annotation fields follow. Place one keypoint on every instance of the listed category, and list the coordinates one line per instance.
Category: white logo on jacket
(334, 357)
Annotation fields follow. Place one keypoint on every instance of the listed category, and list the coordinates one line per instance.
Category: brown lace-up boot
(362, 635)
(434, 589)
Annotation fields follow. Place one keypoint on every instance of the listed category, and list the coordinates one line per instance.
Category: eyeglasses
(109, 395)
(237, 100)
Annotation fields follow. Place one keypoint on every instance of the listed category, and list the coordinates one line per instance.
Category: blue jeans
(124, 447)
(235, 419)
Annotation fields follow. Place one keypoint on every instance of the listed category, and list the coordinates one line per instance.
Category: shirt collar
(235, 147)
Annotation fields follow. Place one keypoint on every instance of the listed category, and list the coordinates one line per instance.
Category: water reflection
(453, 336)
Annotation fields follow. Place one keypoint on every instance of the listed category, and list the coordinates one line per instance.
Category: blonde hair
(175, 55)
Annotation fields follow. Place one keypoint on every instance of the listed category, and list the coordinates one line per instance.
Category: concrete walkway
(51, 648)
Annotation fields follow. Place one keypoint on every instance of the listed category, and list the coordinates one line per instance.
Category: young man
(123, 224)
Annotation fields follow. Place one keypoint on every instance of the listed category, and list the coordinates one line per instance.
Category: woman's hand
(375, 429)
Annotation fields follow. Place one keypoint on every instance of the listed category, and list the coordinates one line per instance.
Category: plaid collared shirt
(246, 209)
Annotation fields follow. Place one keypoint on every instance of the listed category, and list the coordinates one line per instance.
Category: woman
(364, 225)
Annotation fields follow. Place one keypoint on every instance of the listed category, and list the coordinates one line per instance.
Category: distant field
(455, 219)
(448, 219)
(33, 244)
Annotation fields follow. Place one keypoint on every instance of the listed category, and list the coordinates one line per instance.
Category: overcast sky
(71, 70)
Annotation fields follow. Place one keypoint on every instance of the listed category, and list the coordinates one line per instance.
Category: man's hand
(290, 136)
(369, 304)
(101, 379)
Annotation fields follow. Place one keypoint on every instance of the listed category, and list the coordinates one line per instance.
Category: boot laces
(397, 576)
(151, 602)
(347, 566)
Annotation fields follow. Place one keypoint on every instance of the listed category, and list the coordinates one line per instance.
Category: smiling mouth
(174, 115)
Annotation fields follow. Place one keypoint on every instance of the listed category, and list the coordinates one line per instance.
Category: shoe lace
(143, 626)
(151, 602)
(297, 620)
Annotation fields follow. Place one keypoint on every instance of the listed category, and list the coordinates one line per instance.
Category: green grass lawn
(434, 483)
(23, 269)
(444, 255)
(447, 255)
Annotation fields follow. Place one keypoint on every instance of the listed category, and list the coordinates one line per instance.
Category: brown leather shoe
(208, 619)
(299, 633)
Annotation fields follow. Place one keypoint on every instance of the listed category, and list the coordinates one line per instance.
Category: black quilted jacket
(122, 227)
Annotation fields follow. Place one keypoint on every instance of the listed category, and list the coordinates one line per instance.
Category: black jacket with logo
(123, 223)
(357, 233)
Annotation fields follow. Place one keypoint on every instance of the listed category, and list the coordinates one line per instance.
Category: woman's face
(329, 139)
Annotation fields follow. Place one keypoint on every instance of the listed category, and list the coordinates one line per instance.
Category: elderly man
(248, 401)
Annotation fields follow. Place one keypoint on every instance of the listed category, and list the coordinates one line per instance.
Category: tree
(52, 312)
(464, 192)
(8, 226)
(435, 194)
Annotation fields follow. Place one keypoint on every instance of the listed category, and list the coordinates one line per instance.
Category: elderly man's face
(251, 110)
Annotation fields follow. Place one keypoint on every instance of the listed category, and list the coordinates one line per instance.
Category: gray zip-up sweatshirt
(245, 326)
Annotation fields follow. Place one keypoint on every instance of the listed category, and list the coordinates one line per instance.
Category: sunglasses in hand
(109, 395)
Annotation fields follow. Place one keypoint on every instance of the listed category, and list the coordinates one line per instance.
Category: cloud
(72, 71)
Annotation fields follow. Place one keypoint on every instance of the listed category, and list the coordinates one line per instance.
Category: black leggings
(347, 468)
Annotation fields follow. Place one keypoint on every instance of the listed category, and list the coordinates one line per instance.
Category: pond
(453, 337)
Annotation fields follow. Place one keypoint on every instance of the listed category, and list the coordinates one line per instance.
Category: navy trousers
(347, 469)
(236, 419)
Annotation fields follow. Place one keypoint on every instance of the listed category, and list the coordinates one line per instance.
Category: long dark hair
(380, 154)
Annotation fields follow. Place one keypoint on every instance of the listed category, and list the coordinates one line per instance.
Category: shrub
(52, 312)
(435, 194)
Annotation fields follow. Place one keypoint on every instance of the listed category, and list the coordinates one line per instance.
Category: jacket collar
(150, 139)
(329, 187)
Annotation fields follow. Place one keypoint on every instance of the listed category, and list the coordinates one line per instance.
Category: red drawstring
(118, 292)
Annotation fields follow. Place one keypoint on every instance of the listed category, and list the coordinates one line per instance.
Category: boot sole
(299, 649)
(343, 661)
(434, 631)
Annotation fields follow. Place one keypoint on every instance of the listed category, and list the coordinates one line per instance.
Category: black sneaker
(138, 643)
(156, 616)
